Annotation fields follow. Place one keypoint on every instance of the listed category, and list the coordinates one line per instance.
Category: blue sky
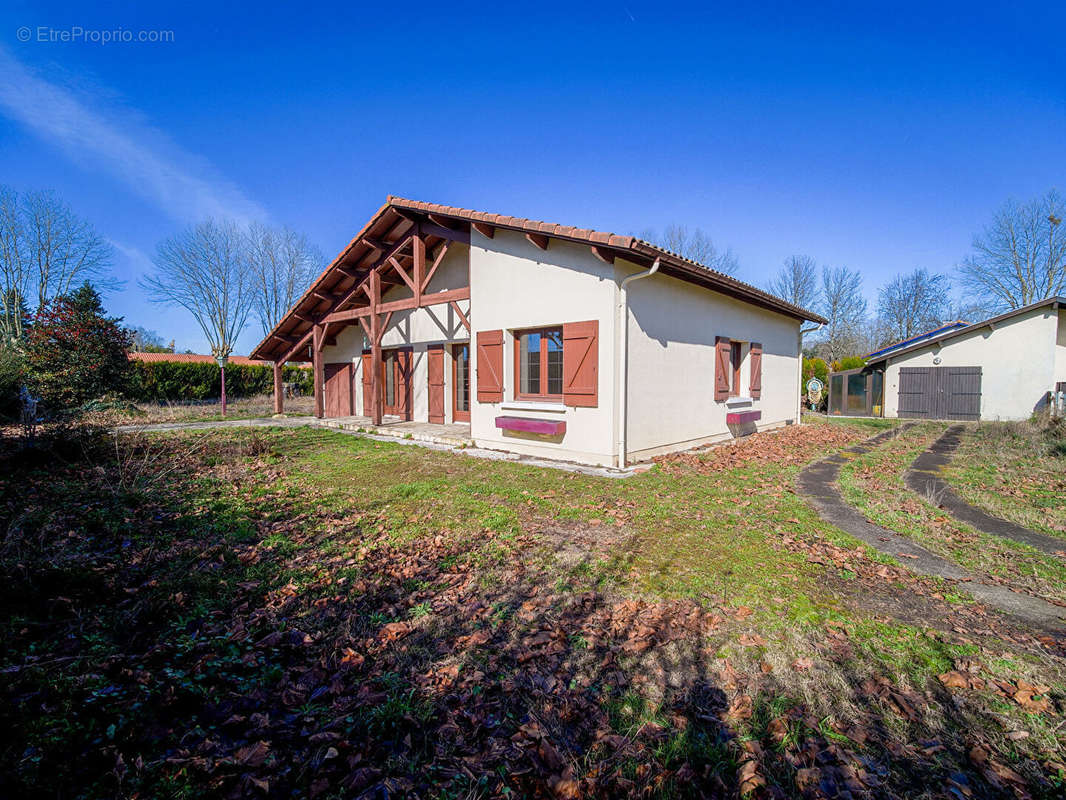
(880, 137)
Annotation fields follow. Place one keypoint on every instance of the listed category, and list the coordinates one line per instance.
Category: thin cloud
(119, 144)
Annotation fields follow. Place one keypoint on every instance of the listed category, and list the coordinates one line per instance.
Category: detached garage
(1005, 368)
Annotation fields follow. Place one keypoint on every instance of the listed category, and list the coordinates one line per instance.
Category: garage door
(940, 392)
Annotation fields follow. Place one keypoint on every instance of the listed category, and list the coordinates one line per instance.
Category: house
(1004, 368)
(539, 339)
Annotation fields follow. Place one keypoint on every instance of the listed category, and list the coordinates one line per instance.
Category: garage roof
(953, 333)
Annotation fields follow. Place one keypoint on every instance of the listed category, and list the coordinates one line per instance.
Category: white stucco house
(1004, 368)
(540, 339)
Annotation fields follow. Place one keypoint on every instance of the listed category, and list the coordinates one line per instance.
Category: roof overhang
(392, 224)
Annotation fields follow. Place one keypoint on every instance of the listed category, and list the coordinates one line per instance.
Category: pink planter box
(741, 417)
(526, 425)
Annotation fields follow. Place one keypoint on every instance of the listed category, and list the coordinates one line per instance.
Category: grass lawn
(1016, 471)
(239, 408)
(301, 613)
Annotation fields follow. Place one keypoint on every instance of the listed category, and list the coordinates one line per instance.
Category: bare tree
(1020, 258)
(206, 270)
(913, 303)
(283, 264)
(45, 249)
(696, 246)
(797, 282)
(843, 305)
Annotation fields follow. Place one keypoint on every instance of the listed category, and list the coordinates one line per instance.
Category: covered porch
(400, 249)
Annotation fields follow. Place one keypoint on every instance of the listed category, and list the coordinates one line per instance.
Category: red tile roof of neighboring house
(349, 268)
(196, 358)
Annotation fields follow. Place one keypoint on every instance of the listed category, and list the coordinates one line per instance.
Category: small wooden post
(418, 251)
(279, 388)
(375, 347)
(316, 361)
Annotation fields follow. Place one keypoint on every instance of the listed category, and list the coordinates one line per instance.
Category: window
(735, 359)
(461, 382)
(539, 364)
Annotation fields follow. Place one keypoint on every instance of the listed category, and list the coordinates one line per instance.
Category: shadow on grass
(198, 638)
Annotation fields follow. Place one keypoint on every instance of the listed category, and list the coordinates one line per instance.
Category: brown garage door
(940, 392)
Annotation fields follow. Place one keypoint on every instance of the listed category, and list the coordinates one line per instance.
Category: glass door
(461, 382)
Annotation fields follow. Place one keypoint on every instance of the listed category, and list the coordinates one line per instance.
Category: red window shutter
(490, 366)
(755, 386)
(368, 406)
(581, 363)
(722, 368)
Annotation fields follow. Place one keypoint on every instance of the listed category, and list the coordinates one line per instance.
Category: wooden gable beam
(603, 254)
(436, 263)
(441, 232)
(462, 317)
(403, 274)
(299, 344)
(538, 239)
(433, 299)
(437, 219)
(484, 229)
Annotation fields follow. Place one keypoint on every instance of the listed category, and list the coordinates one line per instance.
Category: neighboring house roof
(919, 337)
(1055, 302)
(195, 358)
(351, 265)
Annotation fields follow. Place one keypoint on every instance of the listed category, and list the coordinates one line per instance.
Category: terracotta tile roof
(395, 214)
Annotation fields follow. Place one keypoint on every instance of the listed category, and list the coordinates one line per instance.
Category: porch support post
(375, 347)
(318, 371)
(279, 388)
(418, 251)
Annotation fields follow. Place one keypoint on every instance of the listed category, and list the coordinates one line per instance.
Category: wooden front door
(461, 382)
(338, 385)
(435, 368)
(396, 382)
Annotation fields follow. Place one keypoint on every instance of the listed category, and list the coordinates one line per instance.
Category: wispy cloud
(92, 131)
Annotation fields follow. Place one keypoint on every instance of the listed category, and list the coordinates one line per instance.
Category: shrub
(158, 381)
(848, 362)
(10, 380)
(74, 353)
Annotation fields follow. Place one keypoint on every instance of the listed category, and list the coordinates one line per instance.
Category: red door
(435, 356)
(396, 382)
(338, 385)
(368, 394)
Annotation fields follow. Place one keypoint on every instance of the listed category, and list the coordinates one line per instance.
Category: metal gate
(940, 392)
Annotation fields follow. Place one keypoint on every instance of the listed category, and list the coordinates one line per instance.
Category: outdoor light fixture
(222, 366)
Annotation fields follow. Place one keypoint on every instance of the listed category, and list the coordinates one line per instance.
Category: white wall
(416, 328)
(513, 285)
(1017, 360)
(1060, 347)
(672, 330)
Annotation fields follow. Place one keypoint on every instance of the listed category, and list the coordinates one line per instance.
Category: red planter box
(549, 427)
(741, 417)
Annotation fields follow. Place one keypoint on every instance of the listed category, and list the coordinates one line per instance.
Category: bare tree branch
(283, 264)
(696, 246)
(1020, 258)
(845, 309)
(913, 303)
(797, 282)
(45, 249)
(206, 271)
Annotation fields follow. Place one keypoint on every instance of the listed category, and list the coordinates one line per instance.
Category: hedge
(175, 380)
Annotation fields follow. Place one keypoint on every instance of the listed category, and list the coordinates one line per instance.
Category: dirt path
(817, 483)
(924, 478)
